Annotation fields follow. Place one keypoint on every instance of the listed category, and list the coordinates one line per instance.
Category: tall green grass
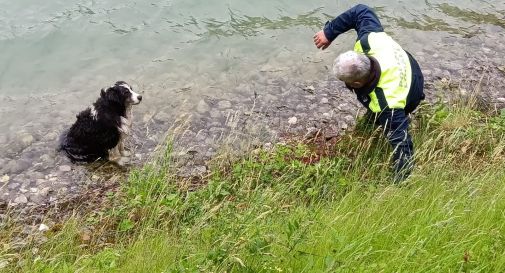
(290, 209)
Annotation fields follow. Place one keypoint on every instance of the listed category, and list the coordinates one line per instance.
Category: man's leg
(396, 124)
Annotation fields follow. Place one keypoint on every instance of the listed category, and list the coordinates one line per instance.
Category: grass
(304, 207)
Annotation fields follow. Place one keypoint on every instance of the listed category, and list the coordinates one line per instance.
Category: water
(55, 56)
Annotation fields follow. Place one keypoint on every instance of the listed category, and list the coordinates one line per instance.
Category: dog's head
(122, 93)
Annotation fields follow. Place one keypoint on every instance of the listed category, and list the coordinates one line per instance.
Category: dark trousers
(395, 126)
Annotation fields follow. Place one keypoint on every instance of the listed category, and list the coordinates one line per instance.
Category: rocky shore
(264, 109)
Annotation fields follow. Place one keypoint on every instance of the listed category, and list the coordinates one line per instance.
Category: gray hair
(351, 66)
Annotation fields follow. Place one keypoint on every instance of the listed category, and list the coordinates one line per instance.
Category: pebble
(324, 100)
(292, 120)
(12, 186)
(51, 136)
(163, 116)
(202, 107)
(21, 199)
(309, 89)
(27, 140)
(65, 168)
(17, 166)
(5, 179)
(224, 104)
(43, 228)
(215, 114)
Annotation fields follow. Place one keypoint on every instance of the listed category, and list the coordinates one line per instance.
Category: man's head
(353, 68)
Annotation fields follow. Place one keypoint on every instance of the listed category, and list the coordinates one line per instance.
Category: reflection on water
(473, 16)
(244, 25)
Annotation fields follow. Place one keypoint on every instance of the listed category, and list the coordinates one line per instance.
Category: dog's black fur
(98, 128)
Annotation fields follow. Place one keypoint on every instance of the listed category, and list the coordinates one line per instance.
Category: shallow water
(209, 60)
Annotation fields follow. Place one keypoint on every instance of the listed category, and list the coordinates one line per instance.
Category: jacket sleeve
(360, 17)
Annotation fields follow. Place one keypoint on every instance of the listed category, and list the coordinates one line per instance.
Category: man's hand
(321, 41)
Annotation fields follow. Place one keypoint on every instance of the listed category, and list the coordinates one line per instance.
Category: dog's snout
(139, 98)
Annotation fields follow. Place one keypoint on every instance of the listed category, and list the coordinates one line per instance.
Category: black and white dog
(100, 130)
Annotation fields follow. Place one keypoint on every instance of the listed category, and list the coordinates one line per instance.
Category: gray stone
(47, 159)
(38, 199)
(44, 191)
(65, 168)
(311, 132)
(17, 166)
(215, 114)
(50, 136)
(163, 116)
(27, 140)
(13, 186)
(324, 100)
(202, 107)
(224, 104)
(4, 179)
(292, 120)
(21, 199)
(192, 171)
(309, 89)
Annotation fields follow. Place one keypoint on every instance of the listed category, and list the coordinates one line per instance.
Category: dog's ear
(102, 93)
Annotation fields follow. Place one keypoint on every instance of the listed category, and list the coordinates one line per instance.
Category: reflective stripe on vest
(396, 73)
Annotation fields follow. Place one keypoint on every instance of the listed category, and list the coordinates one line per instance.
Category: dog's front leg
(125, 131)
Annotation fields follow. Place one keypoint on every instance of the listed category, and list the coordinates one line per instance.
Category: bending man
(386, 79)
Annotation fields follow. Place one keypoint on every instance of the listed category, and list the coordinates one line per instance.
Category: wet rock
(224, 104)
(27, 140)
(215, 114)
(37, 199)
(65, 168)
(21, 199)
(202, 107)
(17, 166)
(309, 89)
(35, 175)
(163, 116)
(13, 185)
(47, 160)
(51, 136)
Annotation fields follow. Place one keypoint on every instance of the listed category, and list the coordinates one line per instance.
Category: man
(386, 79)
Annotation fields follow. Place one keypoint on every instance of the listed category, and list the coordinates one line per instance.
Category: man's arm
(360, 17)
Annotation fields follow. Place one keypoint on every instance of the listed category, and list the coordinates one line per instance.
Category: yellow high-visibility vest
(396, 73)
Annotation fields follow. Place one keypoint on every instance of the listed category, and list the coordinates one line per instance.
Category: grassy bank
(304, 207)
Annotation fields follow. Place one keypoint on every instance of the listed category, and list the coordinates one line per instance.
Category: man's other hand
(320, 40)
